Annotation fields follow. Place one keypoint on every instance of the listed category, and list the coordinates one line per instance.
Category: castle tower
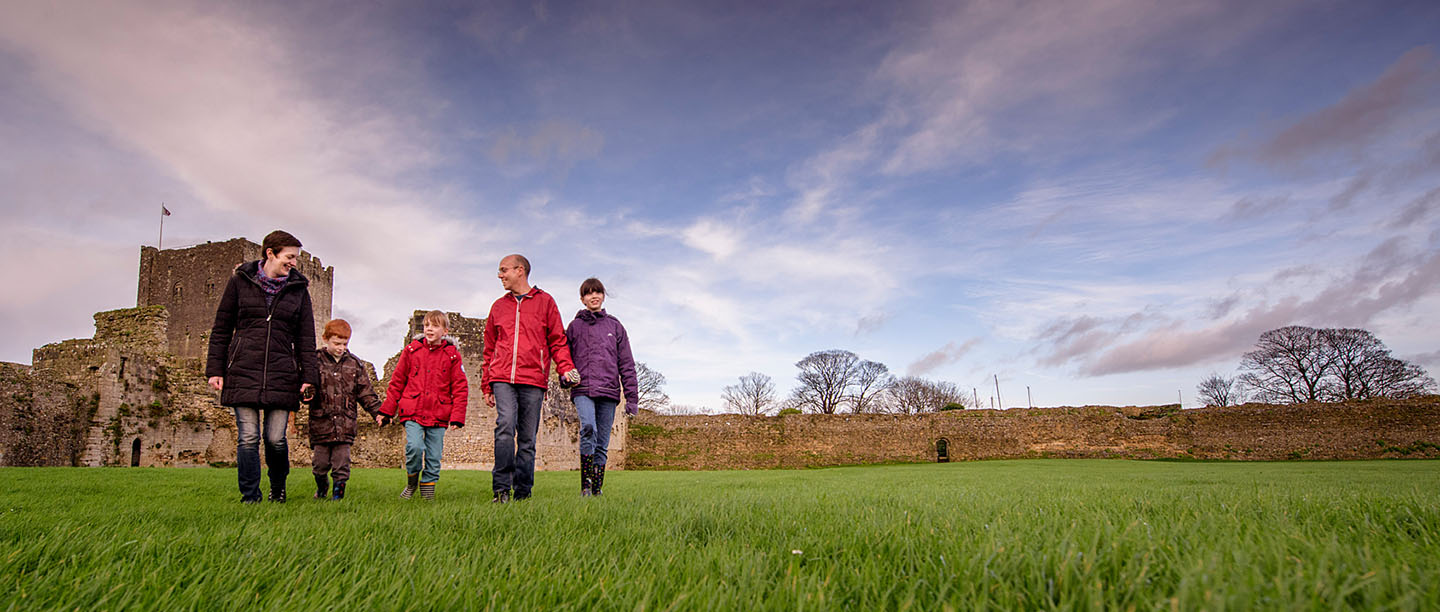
(188, 282)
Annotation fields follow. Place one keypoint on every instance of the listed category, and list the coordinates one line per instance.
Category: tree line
(1297, 364)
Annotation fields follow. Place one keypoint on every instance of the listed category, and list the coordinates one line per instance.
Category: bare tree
(1289, 365)
(753, 396)
(1364, 368)
(868, 389)
(1217, 390)
(652, 388)
(824, 380)
(1301, 364)
(912, 394)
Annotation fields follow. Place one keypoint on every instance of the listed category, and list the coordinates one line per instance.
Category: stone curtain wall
(188, 282)
(1365, 430)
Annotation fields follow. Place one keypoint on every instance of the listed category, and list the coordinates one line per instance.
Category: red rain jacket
(522, 336)
(428, 385)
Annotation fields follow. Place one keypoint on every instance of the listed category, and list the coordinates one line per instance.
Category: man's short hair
(336, 328)
(275, 241)
(591, 285)
(438, 319)
(520, 259)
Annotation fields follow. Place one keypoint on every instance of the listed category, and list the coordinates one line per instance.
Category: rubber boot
(599, 478)
(587, 475)
(427, 491)
(339, 491)
(322, 486)
(410, 485)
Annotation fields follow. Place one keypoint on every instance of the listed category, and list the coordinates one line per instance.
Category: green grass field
(1039, 534)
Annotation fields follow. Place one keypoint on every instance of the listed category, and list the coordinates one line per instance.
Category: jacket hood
(448, 338)
(590, 317)
(249, 269)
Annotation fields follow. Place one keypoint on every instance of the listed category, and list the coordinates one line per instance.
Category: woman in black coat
(262, 358)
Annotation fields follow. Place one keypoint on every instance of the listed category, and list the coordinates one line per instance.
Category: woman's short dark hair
(591, 285)
(276, 241)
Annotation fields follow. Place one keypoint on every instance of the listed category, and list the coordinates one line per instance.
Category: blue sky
(1103, 201)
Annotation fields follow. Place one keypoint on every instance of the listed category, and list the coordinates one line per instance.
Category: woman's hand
(217, 383)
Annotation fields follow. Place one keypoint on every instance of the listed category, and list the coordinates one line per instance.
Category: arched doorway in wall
(942, 451)
(135, 453)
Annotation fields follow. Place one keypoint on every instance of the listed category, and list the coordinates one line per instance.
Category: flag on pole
(164, 212)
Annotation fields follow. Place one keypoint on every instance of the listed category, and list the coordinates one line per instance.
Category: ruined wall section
(188, 282)
(42, 420)
(1361, 430)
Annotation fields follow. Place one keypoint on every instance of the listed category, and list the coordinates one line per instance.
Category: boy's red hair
(337, 328)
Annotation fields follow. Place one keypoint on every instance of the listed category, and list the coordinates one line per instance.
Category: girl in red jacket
(428, 390)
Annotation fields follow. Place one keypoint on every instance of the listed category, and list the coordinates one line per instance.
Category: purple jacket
(601, 350)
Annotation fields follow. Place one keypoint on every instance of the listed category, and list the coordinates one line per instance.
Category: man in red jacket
(523, 334)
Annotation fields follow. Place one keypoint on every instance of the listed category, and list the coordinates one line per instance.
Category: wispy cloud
(950, 353)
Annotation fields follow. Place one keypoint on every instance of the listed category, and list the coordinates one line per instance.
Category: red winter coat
(522, 336)
(428, 385)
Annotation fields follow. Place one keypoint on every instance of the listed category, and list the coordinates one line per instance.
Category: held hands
(382, 420)
(573, 377)
(217, 383)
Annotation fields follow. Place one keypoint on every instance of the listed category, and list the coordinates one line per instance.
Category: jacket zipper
(515, 347)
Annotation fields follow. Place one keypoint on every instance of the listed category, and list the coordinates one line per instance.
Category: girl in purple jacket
(601, 350)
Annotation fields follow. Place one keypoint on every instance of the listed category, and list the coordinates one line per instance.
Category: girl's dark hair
(591, 285)
(275, 241)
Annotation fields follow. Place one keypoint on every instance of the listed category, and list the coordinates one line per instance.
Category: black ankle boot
(411, 483)
(339, 491)
(277, 492)
(322, 486)
(587, 475)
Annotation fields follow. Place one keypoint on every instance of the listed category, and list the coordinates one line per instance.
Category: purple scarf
(272, 286)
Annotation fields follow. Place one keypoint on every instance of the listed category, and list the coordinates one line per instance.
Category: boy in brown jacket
(344, 383)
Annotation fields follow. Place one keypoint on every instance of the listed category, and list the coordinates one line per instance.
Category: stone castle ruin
(135, 394)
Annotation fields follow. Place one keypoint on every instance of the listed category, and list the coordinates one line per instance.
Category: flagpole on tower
(164, 212)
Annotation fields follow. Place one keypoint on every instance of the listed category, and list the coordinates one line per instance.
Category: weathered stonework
(1362, 430)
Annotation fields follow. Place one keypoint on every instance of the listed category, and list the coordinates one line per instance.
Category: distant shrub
(785, 411)
(953, 406)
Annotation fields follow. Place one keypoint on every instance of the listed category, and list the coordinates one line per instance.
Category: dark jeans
(597, 416)
(517, 418)
(247, 451)
(332, 458)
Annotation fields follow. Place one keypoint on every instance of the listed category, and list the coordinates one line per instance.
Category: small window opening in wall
(942, 451)
(177, 291)
(135, 453)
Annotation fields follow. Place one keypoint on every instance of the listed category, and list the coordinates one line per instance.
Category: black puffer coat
(344, 384)
(264, 354)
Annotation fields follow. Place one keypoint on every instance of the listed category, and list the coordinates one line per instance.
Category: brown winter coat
(344, 383)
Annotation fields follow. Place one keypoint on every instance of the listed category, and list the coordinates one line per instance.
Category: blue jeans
(517, 418)
(247, 450)
(597, 414)
(422, 451)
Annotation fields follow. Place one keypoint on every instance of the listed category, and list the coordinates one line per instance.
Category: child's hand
(454, 425)
(490, 400)
(381, 420)
(573, 376)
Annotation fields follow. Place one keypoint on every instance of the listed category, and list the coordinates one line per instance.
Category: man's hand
(573, 376)
(490, 400)
(217, 383)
